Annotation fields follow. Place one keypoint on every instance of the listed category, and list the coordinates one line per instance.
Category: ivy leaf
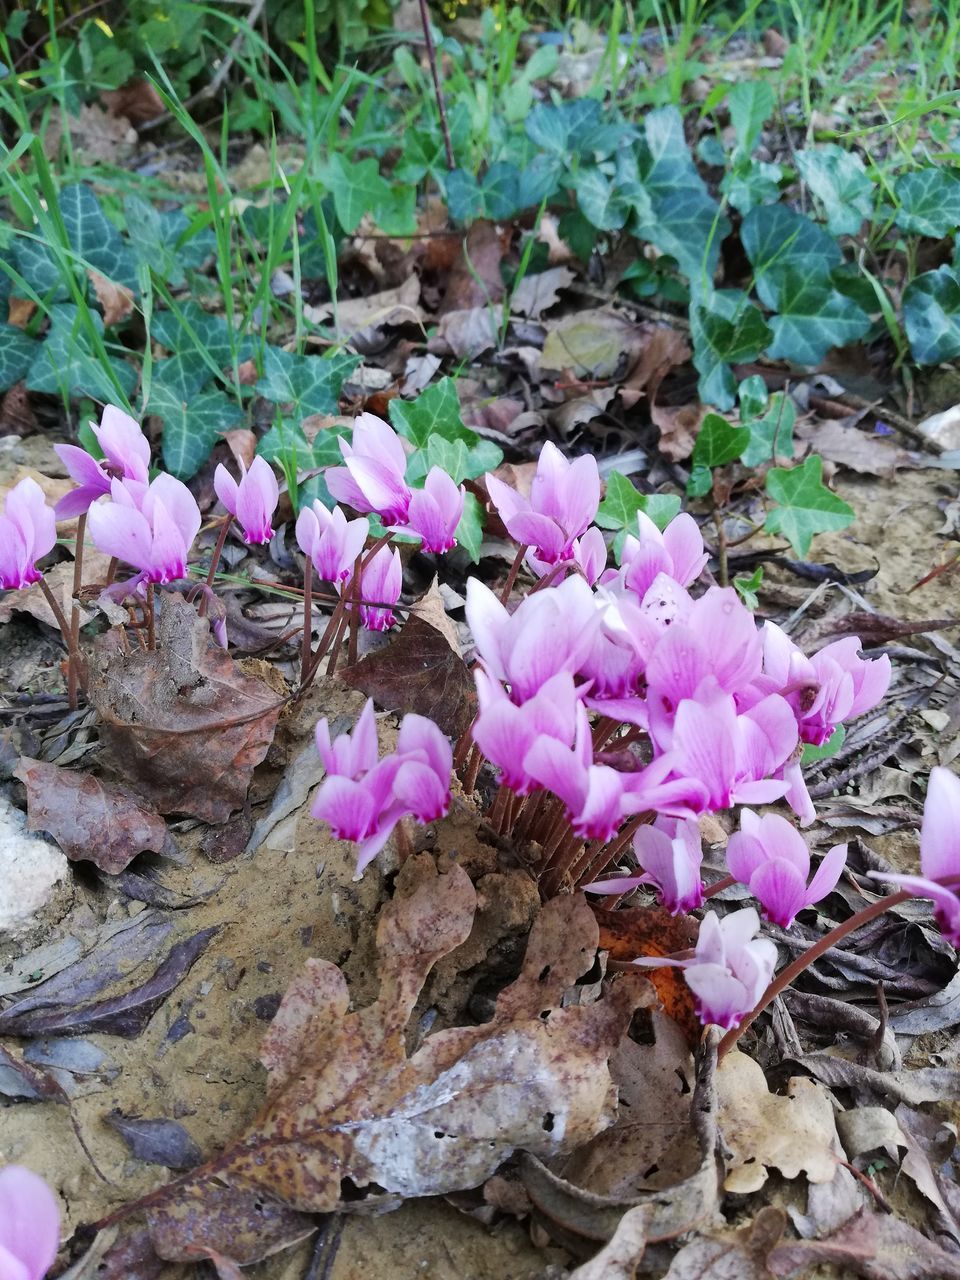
(285, 442)
(565, 127)
(754, 398)
(453, 456)
(718, 442)
(311, 383)
(164, 241)
(751, 104)
(36, 264)
(396, 214)
(94, 237)
(465, 201)
(931, 316)
(750, 183)
(183, 375)
(17, 353)
(622, 501)
(841, 183)
(827, 750)
(191, 427)
(600, 199)
(67, 362)
(469, 533)
(190, 329)
(435, 411)
(929, 201)
(806, 505)
(356, 187)
(777, 240)
(769, 432)
(814, 317)
(728, 328)
(501, 190)
(747, 587)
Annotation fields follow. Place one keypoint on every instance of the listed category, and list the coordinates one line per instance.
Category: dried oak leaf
(650, 931)
(474, 280)
(182, 721)
(346, 1102)
(115, 299)
(419, 671)
(91, 821)
(794, 1133)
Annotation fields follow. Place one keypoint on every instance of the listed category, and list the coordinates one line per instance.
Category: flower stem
(307, 636)
(513, 574)
(74, 674)
(62, 623)
(718, 886)
(437, 87)
(215, 562)
(806, 959)
(151, 617)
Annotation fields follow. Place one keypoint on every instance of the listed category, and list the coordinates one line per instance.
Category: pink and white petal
(547, 494)
(364, 750)
(601, 813)
(121, 438)
(384, 491)
(375, 438)
(168, 553)
(745, 854)
(780, 889)
(226, 489)
(12, 1268)
(616, 884)
(487, 619)
(872, 686)
(374, 844)
(348, 807)
(506, 499)
(29, 1220)
(82, 467)
(684, 545)
(704, 736)
(648, 562)
(940, 832)
(721, 998)
(796, 794)
(419, 733)
(345, 489)
(418, 788)
(534, 530)
(580, 495)
(828, 873)
(557, 768)
(736, 648)
(781, 839)
(308, 533)
(122, 532)
(180, 504)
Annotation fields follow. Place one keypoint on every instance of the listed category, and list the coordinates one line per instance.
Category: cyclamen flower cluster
(362, 797)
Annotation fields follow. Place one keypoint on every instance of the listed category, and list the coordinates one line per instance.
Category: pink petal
(721, 998)
(418, 788)
(226, 488)
(940, 833)
(83, 468)
(533, 530)
(374, 438)
(418, 733)
(745, 854)
(505, 499)
(29, 1220)
(684, 545)
(828, 873)
(487, 619)
(122, 532)
(780, 889)
(345, 489)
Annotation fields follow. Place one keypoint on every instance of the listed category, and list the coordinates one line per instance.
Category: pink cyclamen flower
(353, 754)
(422, 782)
(372, 478)
(28, 531)
(939, 853)
(550, 631)
(592, 793)
(126, 456)
(331, 540)
(670, 854)
(771, 858)
(435, 510)
(677, 552)
(848, 686)
(381, 582)
(151, 527)
(564, 498)
(29, 1225)
(253, 500)
(728, 970)
(505, 732)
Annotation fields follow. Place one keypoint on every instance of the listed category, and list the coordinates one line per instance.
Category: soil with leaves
(220, 1047)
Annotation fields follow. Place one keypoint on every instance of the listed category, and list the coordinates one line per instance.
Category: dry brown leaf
(362, 320)
(678, 428)
(596, 343)
(242, 443)
(16, 413)
(651, 931)
(854, 449)
(872, 1245)
(182, 721)
(732, 1255)
(90, 820)
(345, 1101)
(474, 280)
(795, 1133)
(21, 311)
(97, 135)
(465, 334)
(582, 409)
(620, 1257)
(663, 350)
(59, 579)
(138, 100)
(538, 293)
(115, 299)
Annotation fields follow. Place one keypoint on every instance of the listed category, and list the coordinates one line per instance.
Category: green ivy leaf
(929, 201)
(747, 588)
(751, 183)
(464, 198)
(67, 362)
(777, 240)
(36, 264)
(828, 750)
(769, 432)
(841, 183)
(17, 353)
(806, 505)
(285, 441)
(728, 328)
(94, 237)
(751, 104)
(814, 317)
(622, 501)
(718, 442)
(435, 411)
(600, 199)
(501, 190)
(469, 532)
(454, 457)
(164, 241)
(182, 375)
(754, 398)
(191, 427)
(931, 316)
(567, 126)
(311, 383)
(190, 329)
(356, 187)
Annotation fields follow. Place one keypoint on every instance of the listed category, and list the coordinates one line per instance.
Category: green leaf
(747, 588)
(840, 182)
(828, 750)
(566, 127)
(929, 201)
(470, 529)
(286, 442)
(727, 328)
(191, 427)
(39, 269)
(622, 501)
(772, 432)
(356, 187)
(17, 353)
(751, 183)
(931, 316)
(454, 457)
(435, 411)
(66, 361)
(311, 383)
(806, 505)
(501, 190)
(751, 104)
(94, 237)
(753, 397)
(777, 240)
(190, 329)
(182, 375)
(600, 199)
(465, 201)
(718, 442)
(813, 318)
(396, 214)
(165, 241)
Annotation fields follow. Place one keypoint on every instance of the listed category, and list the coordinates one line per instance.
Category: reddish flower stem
(307, 637)
(718, 886)
(151, 617)
(215, 561)
(512, 575)
(74, 672)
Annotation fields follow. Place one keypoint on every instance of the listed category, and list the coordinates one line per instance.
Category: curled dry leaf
(419, 671)
(345, 1102)
(115, 299)
(182, 721)
(678, 427)
(651, 931)
(91, 821)
(538, 293)
(732, 1255)
(597, 343)
(795, 1133)
(474, 280)
(158, 1141)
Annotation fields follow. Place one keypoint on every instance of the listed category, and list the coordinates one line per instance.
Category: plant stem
(806, 958)
(437, 88)
(307, 637)
(65, 630)
(512, 575)
(151, 617)
(73, 671)
(214, 562)
(721, 547)
(718, 886)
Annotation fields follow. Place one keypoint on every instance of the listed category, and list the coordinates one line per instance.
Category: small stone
(31, 867)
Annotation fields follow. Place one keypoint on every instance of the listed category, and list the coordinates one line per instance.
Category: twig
(437, 88)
